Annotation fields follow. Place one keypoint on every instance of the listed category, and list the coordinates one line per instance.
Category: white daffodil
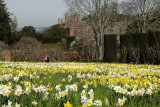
(65, 92)
(83, 93)
(61, 94)
(34, 103)
(27, 91)
(57, 96)
(85, 86)
(149, 91)
(83, 99)
(17, 105)
(7, 92)
(58, 88)
(91, 93)
(78, 75)
(18, 91)
(121, 101)
(97, 103)
(106, 101)
(16, 79)
(69, 78)
(45, 97)
(74, 87)
(88, 102)
(9, 104)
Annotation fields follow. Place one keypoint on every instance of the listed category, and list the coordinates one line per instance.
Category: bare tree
(96, 13)
(143, 9)
(84, 46)
(154, 18)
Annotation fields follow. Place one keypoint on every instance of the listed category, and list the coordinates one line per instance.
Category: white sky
(37, 13)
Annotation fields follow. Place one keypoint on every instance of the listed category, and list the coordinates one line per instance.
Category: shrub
(27, 43)
(50, 40)
(27, 49)
(110, 48)
(69, 40)
(55, 34)
(3, 46)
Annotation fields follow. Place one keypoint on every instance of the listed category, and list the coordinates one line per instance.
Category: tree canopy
(28, 31)
(55, 34)
(5, 27)
(8, 25)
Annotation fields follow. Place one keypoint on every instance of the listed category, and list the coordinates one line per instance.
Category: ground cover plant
(67, 84)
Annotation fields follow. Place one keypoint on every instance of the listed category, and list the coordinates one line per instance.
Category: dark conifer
(5, 26)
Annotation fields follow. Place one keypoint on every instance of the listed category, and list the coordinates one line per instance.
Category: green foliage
(51, 39)
(153, 37)
(110, 48)
(5, 27)
(28, 31)
(14, 23)
(17, 36)
(55, 34)
(126, 40)
(140, 40)
(134, 39)
(69, 40)
(39, 36)
(135, 27)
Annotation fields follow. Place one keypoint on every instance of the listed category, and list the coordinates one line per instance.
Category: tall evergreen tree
(5, 27)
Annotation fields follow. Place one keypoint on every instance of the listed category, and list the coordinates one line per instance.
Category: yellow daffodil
(67, 104)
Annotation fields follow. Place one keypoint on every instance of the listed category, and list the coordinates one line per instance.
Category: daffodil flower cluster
(45, 84)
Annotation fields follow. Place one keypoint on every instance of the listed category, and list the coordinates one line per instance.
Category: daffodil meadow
(65, 84)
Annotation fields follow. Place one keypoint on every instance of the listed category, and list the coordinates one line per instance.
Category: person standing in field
(46, 59)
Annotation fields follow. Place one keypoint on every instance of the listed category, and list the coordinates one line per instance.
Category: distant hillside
(38, 29)
(41, 29)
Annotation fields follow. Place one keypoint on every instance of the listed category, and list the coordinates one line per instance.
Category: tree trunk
(101, 53)
(100, 46)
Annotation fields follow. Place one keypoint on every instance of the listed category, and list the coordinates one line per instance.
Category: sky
(37, 13)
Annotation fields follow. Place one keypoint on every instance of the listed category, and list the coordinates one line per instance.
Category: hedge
(140, 40)
(110, 48)
(51, 39)
(140, 47)
(153, 38)
(126, 40)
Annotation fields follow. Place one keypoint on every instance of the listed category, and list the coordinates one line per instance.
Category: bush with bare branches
(27, 49)
(4, 51)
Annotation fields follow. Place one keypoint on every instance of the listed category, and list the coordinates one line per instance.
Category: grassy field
(79, 85)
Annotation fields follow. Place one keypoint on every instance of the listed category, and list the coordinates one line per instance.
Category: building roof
(73, 21)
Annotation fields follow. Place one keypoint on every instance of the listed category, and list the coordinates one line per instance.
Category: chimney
(66, 18)
(59, 21)
(62, 21)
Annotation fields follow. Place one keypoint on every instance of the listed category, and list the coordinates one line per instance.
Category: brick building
(83, 32)
(76, 26)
